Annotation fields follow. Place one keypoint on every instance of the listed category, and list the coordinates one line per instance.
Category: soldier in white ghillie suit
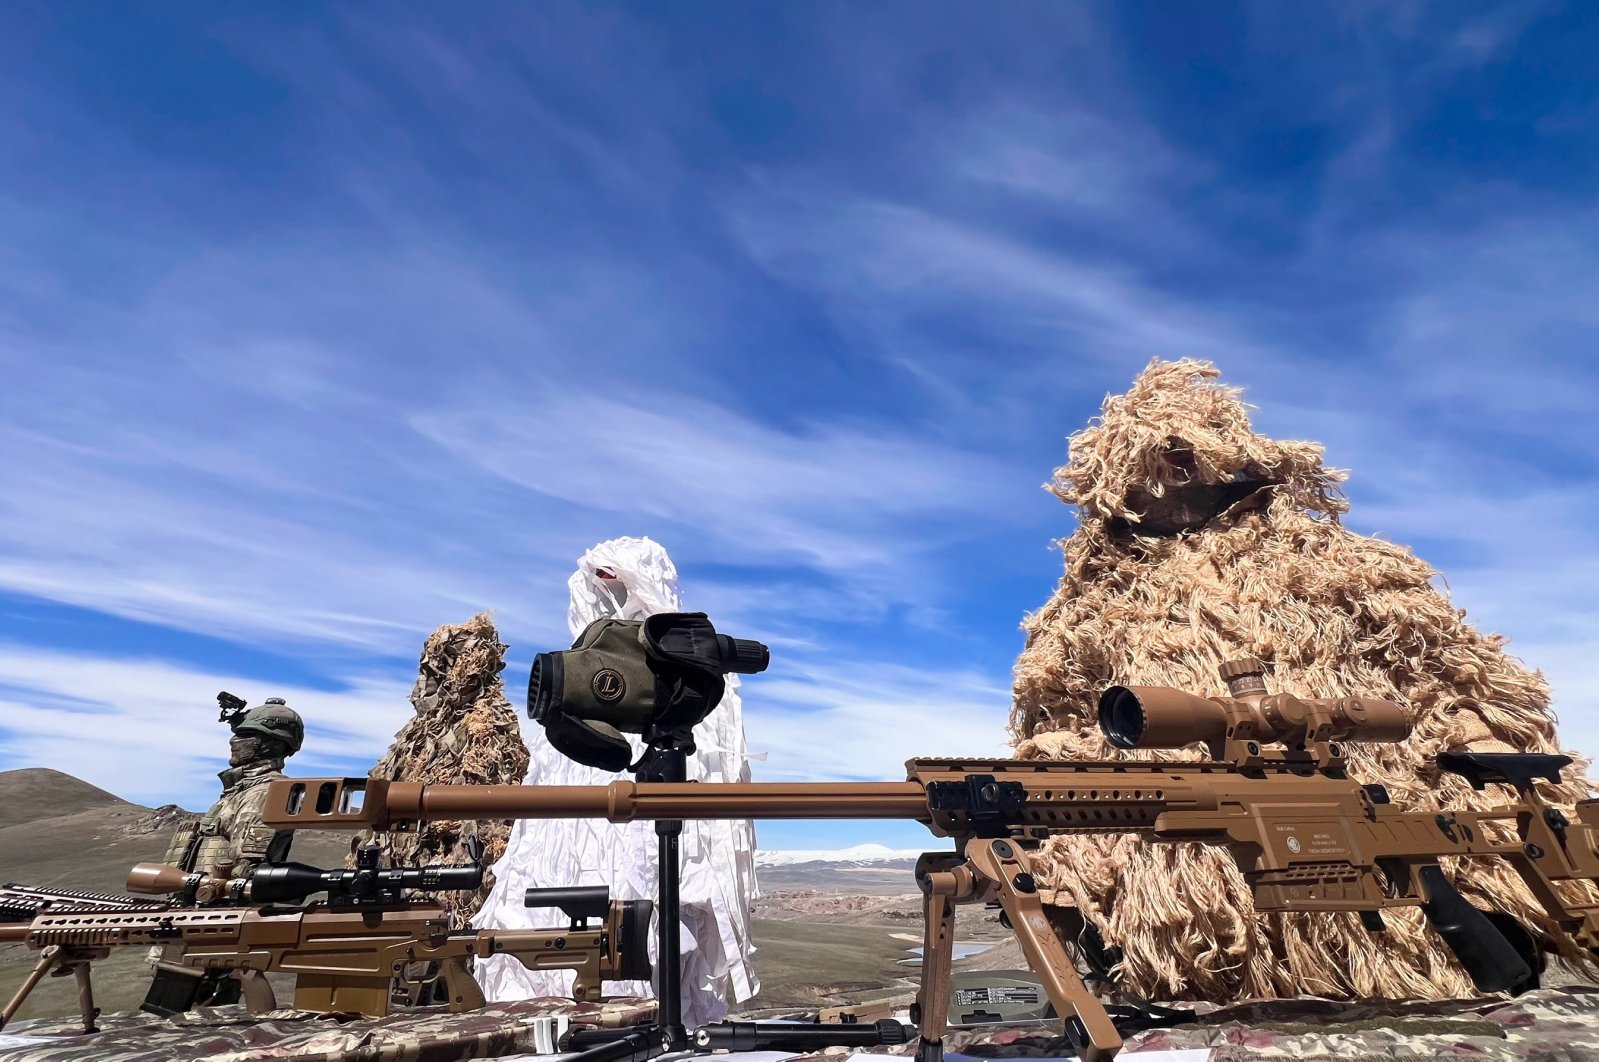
(631, 578)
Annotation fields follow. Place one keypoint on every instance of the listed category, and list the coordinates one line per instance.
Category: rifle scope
(293, 882)
(287, 882)
(1157, 717)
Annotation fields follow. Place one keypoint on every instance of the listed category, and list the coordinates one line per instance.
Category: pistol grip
(257, 992)
(1489, 959)
(465, 993)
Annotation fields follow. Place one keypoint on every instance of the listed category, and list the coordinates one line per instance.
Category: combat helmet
(274, 719)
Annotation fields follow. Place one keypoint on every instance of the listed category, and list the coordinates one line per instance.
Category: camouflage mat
(228, 1034)
(1549, 1025)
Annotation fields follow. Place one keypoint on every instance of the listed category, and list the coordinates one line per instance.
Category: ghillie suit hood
(1200, 541)
(464, 732)
(634, 578)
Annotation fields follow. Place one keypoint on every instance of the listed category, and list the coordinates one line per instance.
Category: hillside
(63, 832)
(68, 833)
(38, 793)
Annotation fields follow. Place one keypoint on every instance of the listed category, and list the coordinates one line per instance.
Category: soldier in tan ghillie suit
(465, 732)
(1199, 541)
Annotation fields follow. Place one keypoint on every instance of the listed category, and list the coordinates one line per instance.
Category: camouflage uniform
(231, 831)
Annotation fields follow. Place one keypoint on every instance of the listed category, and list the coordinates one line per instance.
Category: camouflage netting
(1200, 541)
(464, 732)
(228, 1034)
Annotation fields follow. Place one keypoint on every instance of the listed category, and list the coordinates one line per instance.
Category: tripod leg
(1087, 1025)
(669, 968)
(932, 999)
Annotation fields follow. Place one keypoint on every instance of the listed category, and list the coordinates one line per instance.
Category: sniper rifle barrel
(624, 801)
(319, 802)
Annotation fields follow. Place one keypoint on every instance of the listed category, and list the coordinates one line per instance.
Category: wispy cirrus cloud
(834, 497)
(343, 327)
(861, 720)
(142, 728)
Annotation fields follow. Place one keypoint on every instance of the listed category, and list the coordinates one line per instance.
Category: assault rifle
(1274, 792)
(349, 952)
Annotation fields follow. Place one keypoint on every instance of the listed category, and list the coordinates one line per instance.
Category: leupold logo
(1293, 845)
(608, 685)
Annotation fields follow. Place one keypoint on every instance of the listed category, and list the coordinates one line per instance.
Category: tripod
(666, 760)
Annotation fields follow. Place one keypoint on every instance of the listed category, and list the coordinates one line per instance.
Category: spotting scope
(655, 677)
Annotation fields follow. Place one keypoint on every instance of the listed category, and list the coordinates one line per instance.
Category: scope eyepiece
(544, 686)
(745, 656)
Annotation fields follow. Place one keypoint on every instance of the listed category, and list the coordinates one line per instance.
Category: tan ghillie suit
(464, 732)
(1200, 541)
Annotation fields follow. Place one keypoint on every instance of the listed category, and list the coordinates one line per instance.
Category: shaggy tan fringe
(1332, 613)
(463, 732)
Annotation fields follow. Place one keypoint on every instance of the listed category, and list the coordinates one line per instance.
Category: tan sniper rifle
(1306, 837)
(348, 952)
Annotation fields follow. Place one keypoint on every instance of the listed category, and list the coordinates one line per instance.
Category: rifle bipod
(667, 762)
(990, 869)
(57, 960)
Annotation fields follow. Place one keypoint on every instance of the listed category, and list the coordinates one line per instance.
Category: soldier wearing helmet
(229, 840)
(231, 832)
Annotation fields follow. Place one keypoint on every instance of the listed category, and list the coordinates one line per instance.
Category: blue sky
(322, 327)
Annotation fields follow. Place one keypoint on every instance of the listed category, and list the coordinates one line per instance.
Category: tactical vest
(203, 844)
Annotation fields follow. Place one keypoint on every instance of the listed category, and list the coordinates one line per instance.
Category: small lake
(960, 951)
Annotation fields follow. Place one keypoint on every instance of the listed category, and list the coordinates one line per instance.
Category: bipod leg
(1087, 1025)
(938, 949)
(86, 997)
(48, 957)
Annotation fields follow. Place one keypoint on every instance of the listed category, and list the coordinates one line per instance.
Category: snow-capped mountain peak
(861, 854)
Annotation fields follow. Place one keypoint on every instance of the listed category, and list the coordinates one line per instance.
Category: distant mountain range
(862, 855)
